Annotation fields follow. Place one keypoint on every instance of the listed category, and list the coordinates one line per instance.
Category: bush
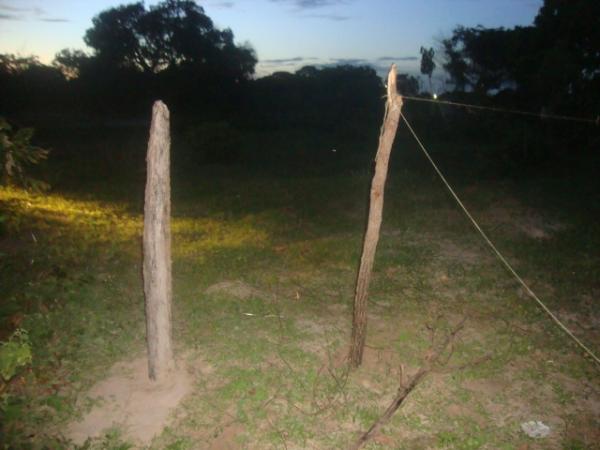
(14, 355)
(17, 155)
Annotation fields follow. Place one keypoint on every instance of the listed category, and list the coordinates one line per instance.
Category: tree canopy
(173, 50)
(170, 50)
(318, 97)
(172, 34)
(407, 84)
(427, 63)
(480, 58)
(554, 62)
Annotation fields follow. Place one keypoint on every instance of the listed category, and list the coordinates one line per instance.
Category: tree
(568, 33)
(553, 64)
(427, 64)
(320, 98)
(173, 34)
(479, 58)
(26, 84)
(407, 84)
(14, 65)
(116, 35)
(307, 72)
(72, 63)
(170, 50)
(574, 24)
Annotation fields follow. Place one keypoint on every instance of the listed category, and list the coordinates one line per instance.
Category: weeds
(17, 155)
(269, 367)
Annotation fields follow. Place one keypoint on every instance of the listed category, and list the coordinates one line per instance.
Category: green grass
(70, 275)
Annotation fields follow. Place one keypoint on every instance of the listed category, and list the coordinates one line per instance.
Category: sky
(286, 34)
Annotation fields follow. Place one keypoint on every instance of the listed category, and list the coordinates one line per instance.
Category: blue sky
(286, 34)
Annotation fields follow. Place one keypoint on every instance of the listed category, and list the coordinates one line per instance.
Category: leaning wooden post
(393, 108)
(157, 246)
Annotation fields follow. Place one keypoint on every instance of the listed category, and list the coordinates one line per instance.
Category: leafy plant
(14, 354)
(17, 154)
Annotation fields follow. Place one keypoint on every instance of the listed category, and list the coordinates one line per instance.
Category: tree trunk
(157, 246)
(393, 108)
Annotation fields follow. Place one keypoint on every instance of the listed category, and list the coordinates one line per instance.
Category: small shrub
(15, 353)
(17, 154)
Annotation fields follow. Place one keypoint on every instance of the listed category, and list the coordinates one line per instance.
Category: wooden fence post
(393, 109)
(157, 246)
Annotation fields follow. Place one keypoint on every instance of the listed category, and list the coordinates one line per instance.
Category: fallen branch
(432, 358)
(469, 364)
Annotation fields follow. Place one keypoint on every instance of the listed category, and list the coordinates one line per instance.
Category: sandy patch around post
(237, 289)
(129, 400)
(512, 215)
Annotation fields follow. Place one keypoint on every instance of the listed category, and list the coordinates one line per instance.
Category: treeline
(173, 51)
(553, 65)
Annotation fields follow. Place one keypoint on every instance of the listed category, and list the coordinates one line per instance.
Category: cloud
(334, 17)
(223, 5)
(304, 8)
(380, 65)
(407, 67)
(4, 16)
(398, 58)
(5, 7)
(266, 67)
(312, 4)
(36, 11)
(283, 60)
(286, 61)
(309, 4)
(11, 12)
(350, 61)
(54, 19)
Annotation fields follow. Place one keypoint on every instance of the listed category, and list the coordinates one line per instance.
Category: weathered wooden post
(393, 109)
(157, 246)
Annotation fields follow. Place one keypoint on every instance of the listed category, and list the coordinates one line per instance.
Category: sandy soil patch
(237, 289)
(513, 216)
(129, 400)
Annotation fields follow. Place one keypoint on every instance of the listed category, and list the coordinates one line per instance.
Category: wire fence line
(540, 115)
(497, 252)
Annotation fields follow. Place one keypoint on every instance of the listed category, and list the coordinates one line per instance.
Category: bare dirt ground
(129, 400)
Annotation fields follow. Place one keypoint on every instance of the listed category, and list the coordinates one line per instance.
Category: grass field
(263, 277)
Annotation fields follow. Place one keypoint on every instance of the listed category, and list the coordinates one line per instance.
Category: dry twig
(433, 358)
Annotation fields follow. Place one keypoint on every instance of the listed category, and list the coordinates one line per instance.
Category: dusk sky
(286, 34)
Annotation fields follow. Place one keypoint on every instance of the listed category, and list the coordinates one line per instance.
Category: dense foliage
(17, 155)
(172, 51)
(553, 64)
